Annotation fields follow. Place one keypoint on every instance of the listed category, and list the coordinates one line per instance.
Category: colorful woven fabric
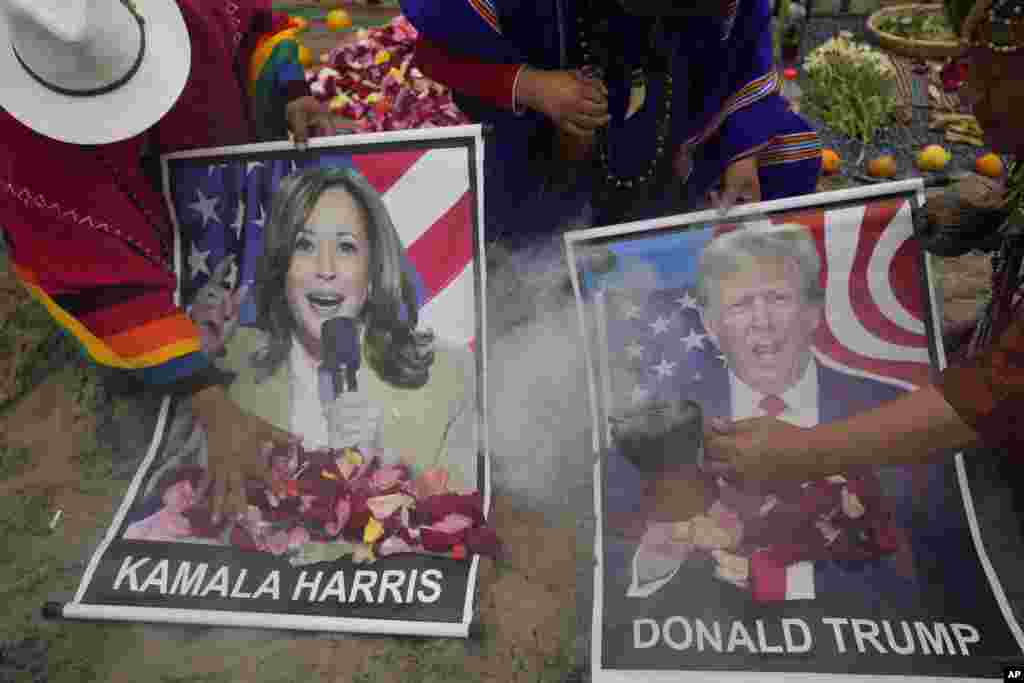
(88, 232)
(727, 112)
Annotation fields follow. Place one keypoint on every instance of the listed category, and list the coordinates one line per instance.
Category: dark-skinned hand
(236, 445)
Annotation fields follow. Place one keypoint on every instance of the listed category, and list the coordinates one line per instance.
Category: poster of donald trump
(806, 310)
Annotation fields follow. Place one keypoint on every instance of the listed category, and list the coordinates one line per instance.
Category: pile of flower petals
(373, 81)
(346, 495)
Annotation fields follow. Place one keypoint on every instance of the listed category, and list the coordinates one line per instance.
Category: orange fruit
(305, 56)
(338, 20)
(990, 165)
(830, 161)
(882, 167)
(298, 23)
(933, 158)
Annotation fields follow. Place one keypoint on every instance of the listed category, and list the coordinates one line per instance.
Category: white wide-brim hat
(123, 80)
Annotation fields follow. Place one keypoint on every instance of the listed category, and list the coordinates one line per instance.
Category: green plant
(1015, 195)
(927, 25)
(38, 346)
(847, 88)
(13, 461)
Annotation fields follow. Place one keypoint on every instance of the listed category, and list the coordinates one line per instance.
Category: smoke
(636, 276)
(540, 417)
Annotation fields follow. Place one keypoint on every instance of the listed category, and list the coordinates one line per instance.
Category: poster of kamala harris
(339, 291)
(808, 310)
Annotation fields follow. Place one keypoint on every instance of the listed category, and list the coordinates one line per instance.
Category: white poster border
(573, 241)
(77, 609)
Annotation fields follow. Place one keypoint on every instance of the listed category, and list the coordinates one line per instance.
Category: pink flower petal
(383, 507)
(726, 518)
(297, 537)
(436, 508)
(387, 479)
(277, 543)
(393, 545)
(433, 482)
(342, 513)
(242, 539)
(453, 523)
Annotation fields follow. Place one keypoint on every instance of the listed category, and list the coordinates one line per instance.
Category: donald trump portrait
(707, 537)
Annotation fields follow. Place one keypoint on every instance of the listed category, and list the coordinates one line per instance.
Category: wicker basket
(908, 47)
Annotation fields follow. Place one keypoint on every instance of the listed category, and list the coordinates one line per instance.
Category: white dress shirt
(308, 418)
(801, 399)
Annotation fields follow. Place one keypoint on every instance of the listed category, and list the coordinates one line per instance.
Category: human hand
(761, 449)
(236, 449)
(740, 184)
(306, 115)
(216, 310)
(575, 103)
(352, 421)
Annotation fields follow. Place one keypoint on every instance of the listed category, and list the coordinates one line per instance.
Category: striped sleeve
(468, 27)
(790, 148)
(103, 282)
(491, 83)
(486, 11)
(746, 120)
(145, 336)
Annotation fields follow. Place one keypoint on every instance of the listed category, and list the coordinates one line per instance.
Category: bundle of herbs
(850, 87)
(920, 25)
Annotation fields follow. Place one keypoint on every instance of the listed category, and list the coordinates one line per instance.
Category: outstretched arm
(978, 402)
(917, 428)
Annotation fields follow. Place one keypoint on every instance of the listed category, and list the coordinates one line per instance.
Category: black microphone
(340, 355)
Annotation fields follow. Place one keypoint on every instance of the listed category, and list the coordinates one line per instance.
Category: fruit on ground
(338, 20)
(990, 165)
(933, 158)
(830, 161)
(882, 167)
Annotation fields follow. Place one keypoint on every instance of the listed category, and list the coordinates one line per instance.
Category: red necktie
(772, 405)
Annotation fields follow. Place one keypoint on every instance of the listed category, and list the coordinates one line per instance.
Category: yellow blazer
(434, 424)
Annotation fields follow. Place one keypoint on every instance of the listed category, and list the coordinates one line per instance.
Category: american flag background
(639, 305)
(222, 204)
(875, 314)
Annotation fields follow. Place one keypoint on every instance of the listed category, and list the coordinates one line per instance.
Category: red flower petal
(483, 541)
(388, 479)
(394, 545)
(439, 541)
(242, 539)
(200, 521)
(436, 508)
(453, 524)
(360, 513)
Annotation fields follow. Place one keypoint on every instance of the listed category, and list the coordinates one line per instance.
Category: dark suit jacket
(840, 395)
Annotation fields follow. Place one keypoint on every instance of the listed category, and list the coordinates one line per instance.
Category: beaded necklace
(593, 65)
(1004, 29)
